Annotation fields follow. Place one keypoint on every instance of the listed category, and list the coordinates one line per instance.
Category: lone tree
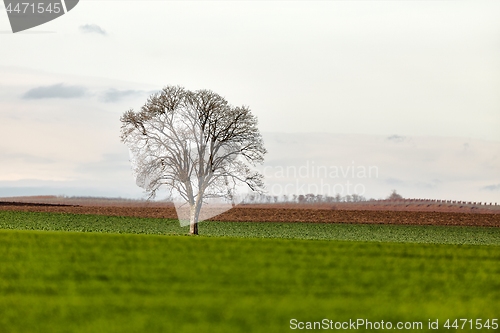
(195, 144)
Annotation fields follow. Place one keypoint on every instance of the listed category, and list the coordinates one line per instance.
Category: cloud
(92, 28)
(396, 138)
(432, 184)
(495, 187)
(113, 95)
(394, 181)
(25, 158)
(111, 165)
(55, 91)
(35, 187)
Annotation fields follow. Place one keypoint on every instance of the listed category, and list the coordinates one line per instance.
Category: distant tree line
(311, 198)
(302, 198)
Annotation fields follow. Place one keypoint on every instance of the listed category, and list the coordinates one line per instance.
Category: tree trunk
(193, 228)
(194, 217)
(193, 220)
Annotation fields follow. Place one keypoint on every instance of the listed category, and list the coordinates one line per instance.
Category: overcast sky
(424, 73)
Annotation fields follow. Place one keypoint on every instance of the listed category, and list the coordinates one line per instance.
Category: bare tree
(196, 145)
(395, 196)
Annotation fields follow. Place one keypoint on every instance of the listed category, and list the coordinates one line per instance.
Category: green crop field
(319, 231)
(59, 281)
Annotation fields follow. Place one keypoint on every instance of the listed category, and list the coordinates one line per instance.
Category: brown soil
(388, 213)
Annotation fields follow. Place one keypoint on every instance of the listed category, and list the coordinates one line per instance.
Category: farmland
(366, 213)
(114, 269)
(98, 282)
(19, 220)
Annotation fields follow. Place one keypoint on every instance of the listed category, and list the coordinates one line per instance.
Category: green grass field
(59, 281)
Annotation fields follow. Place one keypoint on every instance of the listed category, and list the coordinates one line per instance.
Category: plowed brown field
(395, 214)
